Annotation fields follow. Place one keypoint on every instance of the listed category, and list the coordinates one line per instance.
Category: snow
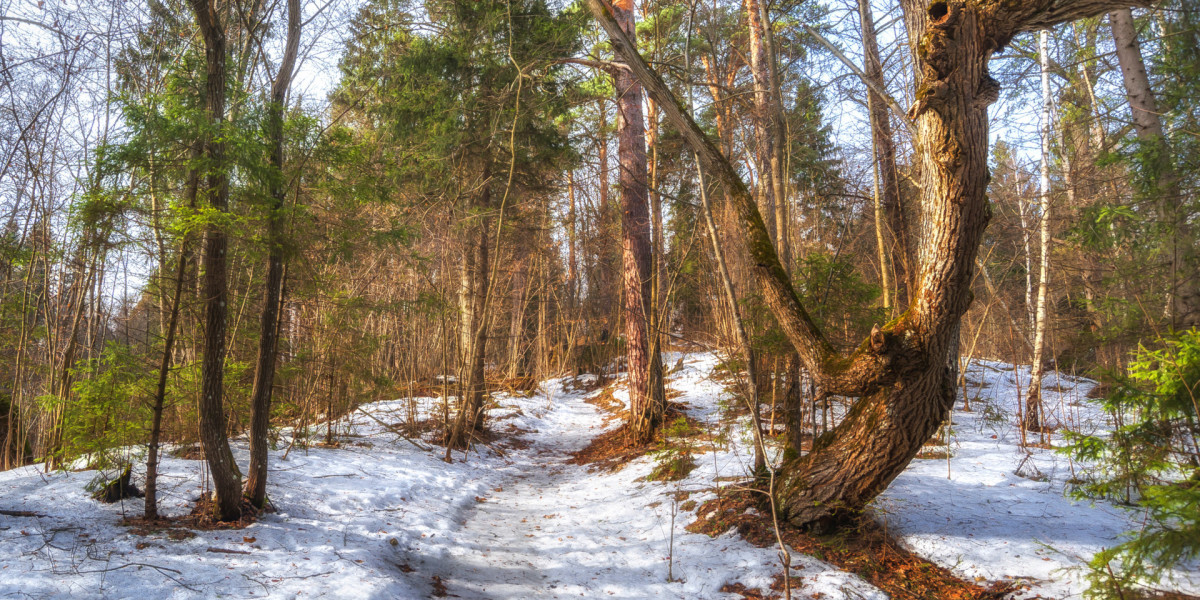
(978, 517)
(381, 517)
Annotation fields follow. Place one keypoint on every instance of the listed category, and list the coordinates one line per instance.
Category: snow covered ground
(975, 515)
(382, 518)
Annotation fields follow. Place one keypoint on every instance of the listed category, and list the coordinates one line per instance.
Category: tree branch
(1018, 17)
(859, 374)
(607, 66)
(875, 87)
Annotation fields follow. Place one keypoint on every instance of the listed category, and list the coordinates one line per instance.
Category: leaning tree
(900, 373)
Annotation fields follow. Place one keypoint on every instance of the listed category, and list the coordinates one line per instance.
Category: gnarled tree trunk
(900, 373)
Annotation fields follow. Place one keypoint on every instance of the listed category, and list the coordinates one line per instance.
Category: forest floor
(382, 516)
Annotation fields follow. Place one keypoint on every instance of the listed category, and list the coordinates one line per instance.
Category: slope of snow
(998, 511)
(380, 518)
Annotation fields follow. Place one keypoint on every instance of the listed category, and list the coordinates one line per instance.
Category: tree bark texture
(646, 398)
(764, 118)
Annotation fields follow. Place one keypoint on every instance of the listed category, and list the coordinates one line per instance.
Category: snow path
(519, 542)
(549, 529)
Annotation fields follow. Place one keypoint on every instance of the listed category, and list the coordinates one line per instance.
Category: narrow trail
(550, 529)
(523, 540)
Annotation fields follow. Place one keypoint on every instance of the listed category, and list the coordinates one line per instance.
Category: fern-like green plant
(1150, 459)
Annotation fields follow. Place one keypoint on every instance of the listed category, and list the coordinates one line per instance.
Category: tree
(888, 180)
(227, 480)
(462, 120)
(264, 375)
(1033, 396)
(899, 373)
(1158, 171)
(647, 402)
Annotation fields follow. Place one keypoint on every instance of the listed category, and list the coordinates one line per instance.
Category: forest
(600, 298)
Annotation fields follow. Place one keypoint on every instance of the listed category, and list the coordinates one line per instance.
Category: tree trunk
(268, 341)
(764, 117)
(646, 400)
(885, 160)
(899, 373)
(227, 482)
(1033, 397)
(172, 326)
(474, 325)
(1178, 246)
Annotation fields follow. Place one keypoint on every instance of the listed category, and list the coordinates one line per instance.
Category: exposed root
(864, 548)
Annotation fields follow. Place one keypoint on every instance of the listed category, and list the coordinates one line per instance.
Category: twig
(392, 429)
(20, 513)
(875, 87)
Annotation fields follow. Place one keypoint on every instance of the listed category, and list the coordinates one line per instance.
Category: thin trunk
(1033, 398)
(885, 158)
(227, 480)
(764, 118)
(1027, 241)
(160, 390)
(268, 341)
(880, 244)
(172, 325)
(474, 325)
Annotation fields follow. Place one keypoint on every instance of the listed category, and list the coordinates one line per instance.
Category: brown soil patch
(439, 588)
(864, 548)
(203, 516)
(612, 449)
(605, 401)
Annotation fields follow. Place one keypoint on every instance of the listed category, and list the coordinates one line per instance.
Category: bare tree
(1033, 396)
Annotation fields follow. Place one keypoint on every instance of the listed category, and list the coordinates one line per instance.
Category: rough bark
(268, 340)
(900, 372)
(1178, 245)
(227, 483)
(646, 399)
